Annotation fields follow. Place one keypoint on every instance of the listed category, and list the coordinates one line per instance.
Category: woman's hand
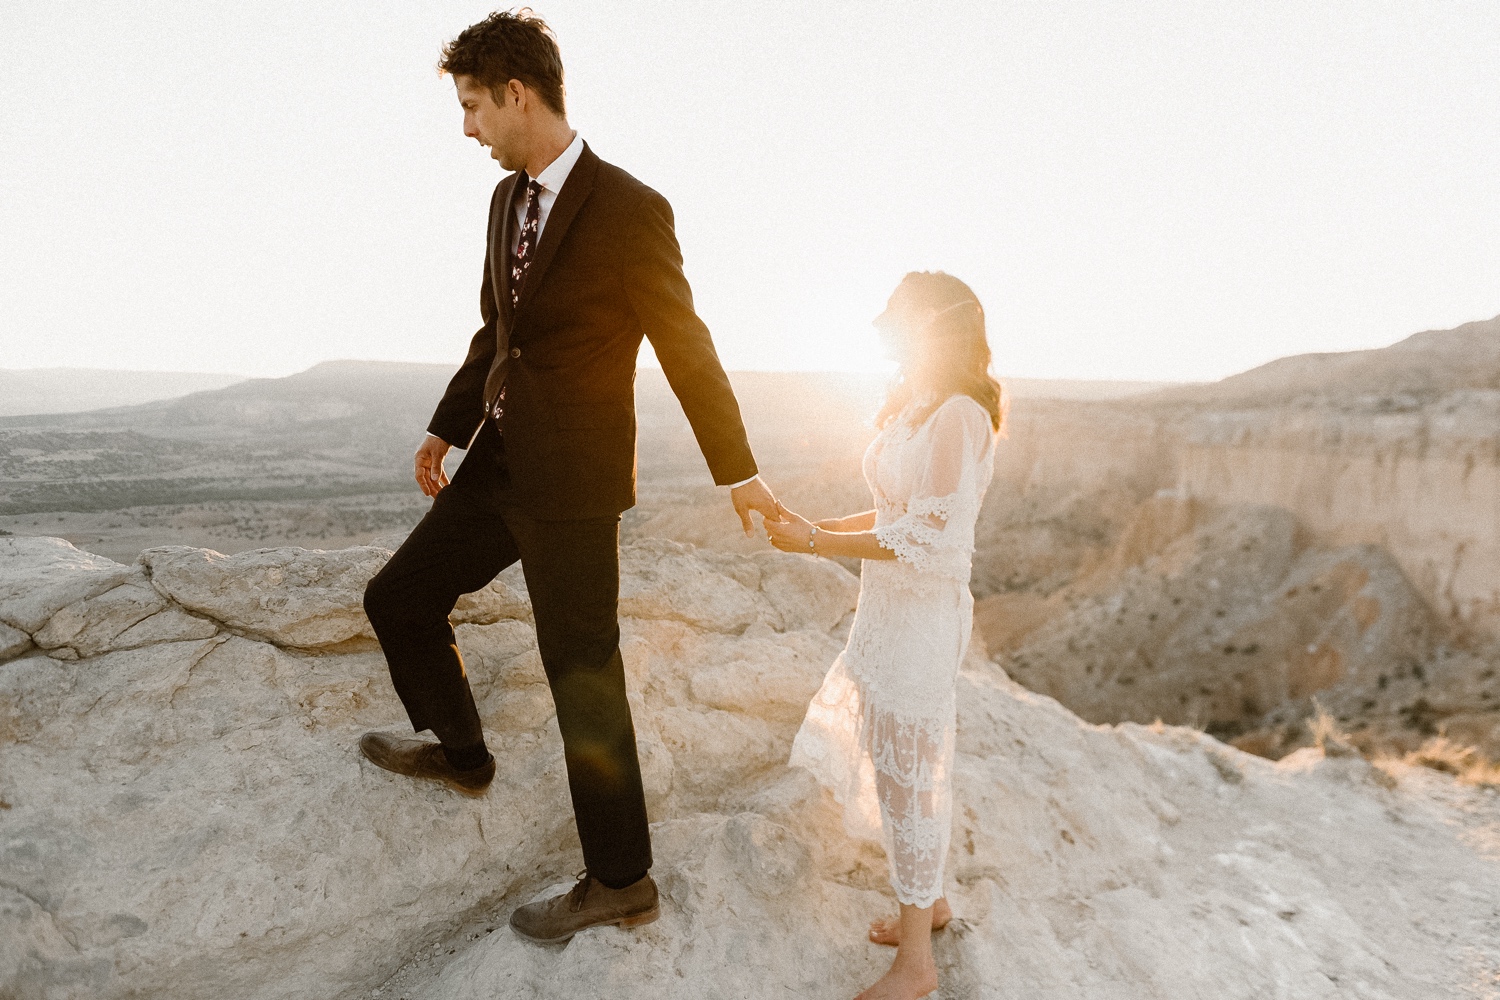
(791, 533)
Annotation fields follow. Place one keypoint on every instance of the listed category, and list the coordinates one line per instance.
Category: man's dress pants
(572, 571)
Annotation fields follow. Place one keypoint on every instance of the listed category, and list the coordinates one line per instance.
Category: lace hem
(920, 901)
(891, 775)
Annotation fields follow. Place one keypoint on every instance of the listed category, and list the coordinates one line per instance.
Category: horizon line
(647, 367)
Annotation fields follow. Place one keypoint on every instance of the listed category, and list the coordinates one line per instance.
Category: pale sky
(1139, 190)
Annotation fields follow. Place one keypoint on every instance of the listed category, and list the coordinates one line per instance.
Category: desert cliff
(183, 811)
(1325, 528)
(1398, 447)
(1425, 486)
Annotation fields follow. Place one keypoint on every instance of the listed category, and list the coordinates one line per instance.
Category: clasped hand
(788, 531)
(792, 533)
(757, 496)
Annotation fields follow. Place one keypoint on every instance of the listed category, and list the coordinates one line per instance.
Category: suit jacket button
(515, 352)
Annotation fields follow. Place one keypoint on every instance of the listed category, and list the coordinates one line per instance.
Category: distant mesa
(72, 390)
(1410, 373)
(1414, 370)
(398, 398)
(101, 397)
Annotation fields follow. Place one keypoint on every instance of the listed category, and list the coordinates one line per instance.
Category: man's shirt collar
(556, 173)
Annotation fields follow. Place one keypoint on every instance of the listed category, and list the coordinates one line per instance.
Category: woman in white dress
(880, 731)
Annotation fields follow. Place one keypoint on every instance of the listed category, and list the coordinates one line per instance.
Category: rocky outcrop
(40, 576)
(307, 598)
(189, 817)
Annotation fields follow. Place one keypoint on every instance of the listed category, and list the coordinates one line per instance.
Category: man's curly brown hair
(506, 46)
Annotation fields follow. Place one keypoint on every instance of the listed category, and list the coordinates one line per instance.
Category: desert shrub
(1326, 734)
(1465, 763)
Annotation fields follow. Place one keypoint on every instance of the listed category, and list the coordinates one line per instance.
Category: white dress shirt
(552, 178)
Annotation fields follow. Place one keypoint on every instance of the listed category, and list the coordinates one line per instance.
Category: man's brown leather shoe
(421, 759)
(590, 903)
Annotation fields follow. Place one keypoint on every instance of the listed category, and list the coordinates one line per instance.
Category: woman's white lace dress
(879, 733)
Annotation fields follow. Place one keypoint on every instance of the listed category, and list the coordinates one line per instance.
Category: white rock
(170, 625)
(716, 749)
(298, 597)
(35, 954)
(1086, 861)
(806, 591)
(505, 672)
(13, 642)
(91, 626)
(771, 677)
(664, 580)
(192, 819)
(657, 772)
(196, 813)
(743, 915)
(504, 597)
(40, 576)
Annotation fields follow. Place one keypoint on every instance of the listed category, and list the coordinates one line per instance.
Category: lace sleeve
(941, 506)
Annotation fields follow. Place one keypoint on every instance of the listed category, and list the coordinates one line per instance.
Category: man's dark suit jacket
(607, 271)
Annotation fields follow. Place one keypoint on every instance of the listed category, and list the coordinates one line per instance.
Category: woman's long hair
(948, 355)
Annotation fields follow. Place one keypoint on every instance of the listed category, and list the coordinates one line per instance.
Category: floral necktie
(526, 245)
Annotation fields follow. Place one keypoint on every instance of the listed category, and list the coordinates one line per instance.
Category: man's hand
(754, 495)
(429, 462)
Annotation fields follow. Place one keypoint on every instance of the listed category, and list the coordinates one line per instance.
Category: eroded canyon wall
(1424, 485)
(1425, 488)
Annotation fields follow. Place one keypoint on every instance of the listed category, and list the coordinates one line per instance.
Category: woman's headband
(889, 319)
(948, 309)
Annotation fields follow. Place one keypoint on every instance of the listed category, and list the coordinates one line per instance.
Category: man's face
(496, 126)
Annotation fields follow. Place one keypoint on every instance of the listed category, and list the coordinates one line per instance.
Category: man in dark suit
(582, 262)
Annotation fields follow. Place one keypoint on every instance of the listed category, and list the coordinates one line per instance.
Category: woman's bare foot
(913, 974)
(889, 931)
(904, 981)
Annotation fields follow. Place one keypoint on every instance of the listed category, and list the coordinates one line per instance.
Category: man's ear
(515, 94)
